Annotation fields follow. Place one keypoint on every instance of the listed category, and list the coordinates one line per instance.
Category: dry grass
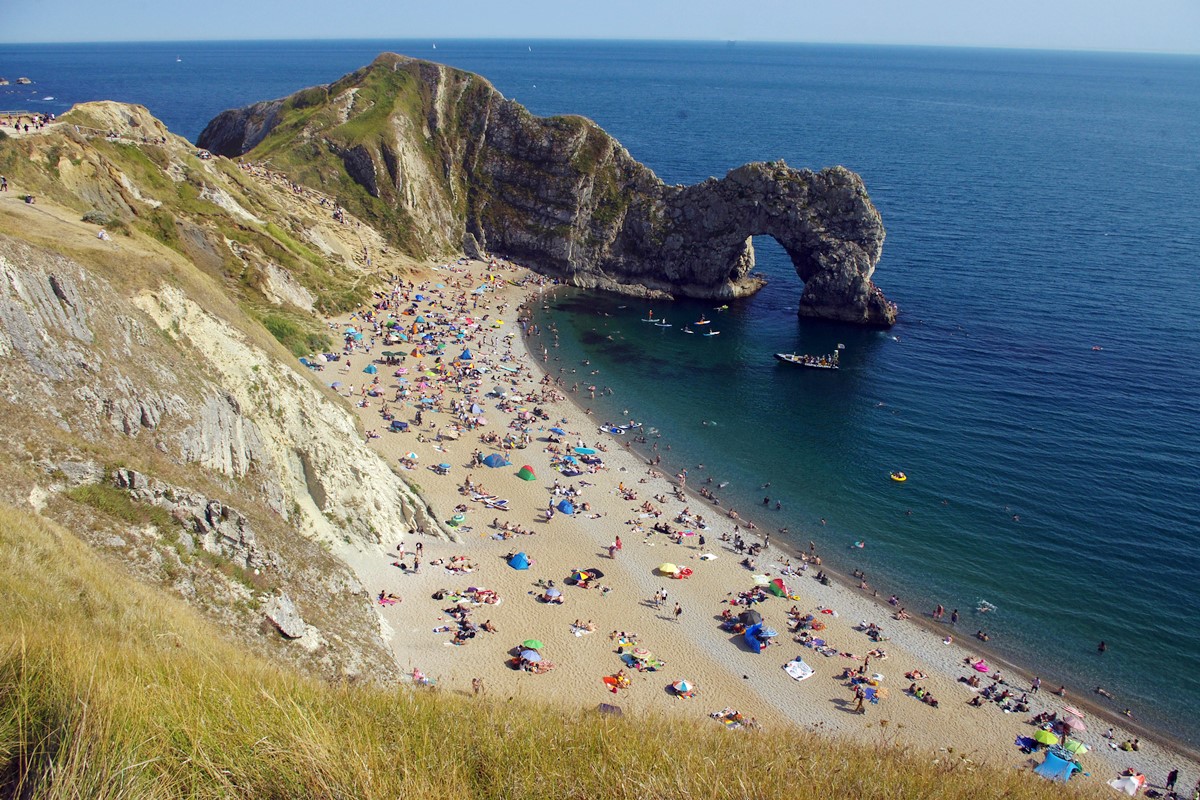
(111, 689)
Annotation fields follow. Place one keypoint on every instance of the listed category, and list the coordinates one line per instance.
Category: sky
(1126, 25)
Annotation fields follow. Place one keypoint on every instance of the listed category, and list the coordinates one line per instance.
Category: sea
(1041, 390)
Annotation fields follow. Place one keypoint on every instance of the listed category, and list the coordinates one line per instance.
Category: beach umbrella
(668, 569)
(641, 653)
(570, 459)
(585, 451)
(532, 644)
(1043, 736)
(476, 408)
(322, 358)
(1075, 747)
(681, 686)
(350, 329)
(1072, 710)
(566, 507)
(526, 473)
(443, 466)
(558, 431)
(750, 617)
(496, 460)
(335, 385)
(553, 592)
(411, 455)
(532, 656)
(371, 369)
(581, 575)
(595, 573)
(1074, 723)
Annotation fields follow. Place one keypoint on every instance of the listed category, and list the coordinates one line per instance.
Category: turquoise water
(1037, 205)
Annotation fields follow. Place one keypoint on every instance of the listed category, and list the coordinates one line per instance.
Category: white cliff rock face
(309, 444)
(282, 289)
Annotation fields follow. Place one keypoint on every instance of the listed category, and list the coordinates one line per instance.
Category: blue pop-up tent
(566, 507)
(496, 460)
(756, 637)
(465, 355)
(519, 561)
(1056, 768)
(371, 369)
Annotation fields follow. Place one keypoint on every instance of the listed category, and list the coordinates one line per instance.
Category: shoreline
(1082, 697)
(692, 646)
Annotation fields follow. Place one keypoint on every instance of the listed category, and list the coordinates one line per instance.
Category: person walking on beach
(1172, 776)
(477, 686)
(678, 612)
(1036, 685)
(859, 696)
(954, 617)
(939, 612)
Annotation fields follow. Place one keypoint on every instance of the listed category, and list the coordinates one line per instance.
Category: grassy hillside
(111, 689)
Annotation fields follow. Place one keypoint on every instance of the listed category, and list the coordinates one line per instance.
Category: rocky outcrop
(451, 163)
(219, 529)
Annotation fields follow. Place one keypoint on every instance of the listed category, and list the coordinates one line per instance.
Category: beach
(691, 644)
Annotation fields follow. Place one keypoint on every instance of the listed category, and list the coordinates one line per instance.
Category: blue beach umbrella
(558, 431)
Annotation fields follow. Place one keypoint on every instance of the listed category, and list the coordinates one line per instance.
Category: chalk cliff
(443, 162)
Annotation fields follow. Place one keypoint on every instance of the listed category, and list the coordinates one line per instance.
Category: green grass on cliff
(112, 689)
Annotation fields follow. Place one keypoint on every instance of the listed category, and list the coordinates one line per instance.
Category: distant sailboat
(435, 45)
(178, 59)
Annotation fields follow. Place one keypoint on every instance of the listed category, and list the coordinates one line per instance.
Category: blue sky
(1145, 25)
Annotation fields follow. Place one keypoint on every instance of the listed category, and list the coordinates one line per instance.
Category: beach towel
(798, 669)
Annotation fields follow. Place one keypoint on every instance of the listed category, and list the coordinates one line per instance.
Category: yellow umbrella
(668, 569)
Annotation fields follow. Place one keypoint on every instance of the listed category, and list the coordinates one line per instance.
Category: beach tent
(519, 561)
(1056, 768)
(371, 369)
(778, 588)
(476, 408)
(496, 460)
(526, 473)
(1129, 784)
(566, 507)
(465, 355)
(755, 637)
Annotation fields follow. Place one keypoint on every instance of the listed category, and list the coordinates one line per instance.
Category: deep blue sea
(1038, 205)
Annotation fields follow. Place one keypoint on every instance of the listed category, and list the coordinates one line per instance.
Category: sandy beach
(692, 644)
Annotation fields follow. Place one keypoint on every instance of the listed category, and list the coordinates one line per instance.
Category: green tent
(526, 473)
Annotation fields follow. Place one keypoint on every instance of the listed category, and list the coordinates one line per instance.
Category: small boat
(688, 330)
(899, 477)
(662, 324)
(713, 333)
(812, 362)
(702, 320)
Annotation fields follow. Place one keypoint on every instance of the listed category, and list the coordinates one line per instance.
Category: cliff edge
(439, 159)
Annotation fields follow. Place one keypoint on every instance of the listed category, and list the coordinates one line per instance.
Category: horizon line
(645, 40)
